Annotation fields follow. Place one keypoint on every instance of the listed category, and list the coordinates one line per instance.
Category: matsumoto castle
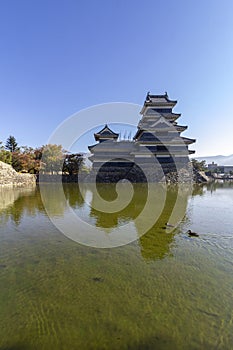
(158, 135)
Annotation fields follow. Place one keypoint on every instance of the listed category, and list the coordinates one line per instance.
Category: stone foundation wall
(134, 174)
(10, 178)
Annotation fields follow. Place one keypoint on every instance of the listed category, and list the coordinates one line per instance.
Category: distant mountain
(220, 160)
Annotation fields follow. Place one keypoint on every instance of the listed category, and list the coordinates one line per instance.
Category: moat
(165, 290)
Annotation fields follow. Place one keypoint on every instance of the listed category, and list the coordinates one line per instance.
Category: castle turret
(159, 132)
(105, 134)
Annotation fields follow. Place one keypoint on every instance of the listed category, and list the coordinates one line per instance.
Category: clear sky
(60, 56)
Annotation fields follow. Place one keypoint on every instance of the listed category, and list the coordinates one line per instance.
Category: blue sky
(58, 57)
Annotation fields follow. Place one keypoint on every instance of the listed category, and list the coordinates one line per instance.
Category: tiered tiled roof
(158, 100)
(106, 134)
(158, 131)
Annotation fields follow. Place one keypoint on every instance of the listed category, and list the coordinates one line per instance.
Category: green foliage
(25, 162)
(52, 158)
(48, 158)
(199, 165)
(5, 156)
(73, 163)
(16, 161)
(11, 144)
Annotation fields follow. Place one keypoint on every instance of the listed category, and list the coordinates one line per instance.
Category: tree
(11, 144)
(16, 162)
(5, 156)
(199, 165)
(73, 163)
(25, 162)
(52, 158)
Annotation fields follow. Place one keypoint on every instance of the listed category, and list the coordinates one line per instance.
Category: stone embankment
(10, 178)
(185, 174)
(201, 177)
(113, 174)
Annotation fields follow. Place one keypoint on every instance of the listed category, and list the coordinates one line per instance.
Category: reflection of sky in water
(212, 213)
(209, 212)
(171, 291)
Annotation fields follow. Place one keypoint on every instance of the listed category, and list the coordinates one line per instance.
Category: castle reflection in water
(154, 244)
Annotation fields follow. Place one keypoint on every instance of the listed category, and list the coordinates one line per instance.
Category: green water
(163, 291)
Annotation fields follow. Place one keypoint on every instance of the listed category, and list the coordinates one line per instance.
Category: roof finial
(166, 93)
(148, 96)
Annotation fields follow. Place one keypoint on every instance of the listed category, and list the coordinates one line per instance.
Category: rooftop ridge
(149, 96)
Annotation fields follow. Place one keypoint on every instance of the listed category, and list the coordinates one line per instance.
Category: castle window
(161, 148)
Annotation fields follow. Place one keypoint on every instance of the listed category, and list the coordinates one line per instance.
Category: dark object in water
(193, 234)
(167, 225)
(97, 279)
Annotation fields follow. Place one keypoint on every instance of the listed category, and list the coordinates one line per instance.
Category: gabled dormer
(161, 123)
(154, 126)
